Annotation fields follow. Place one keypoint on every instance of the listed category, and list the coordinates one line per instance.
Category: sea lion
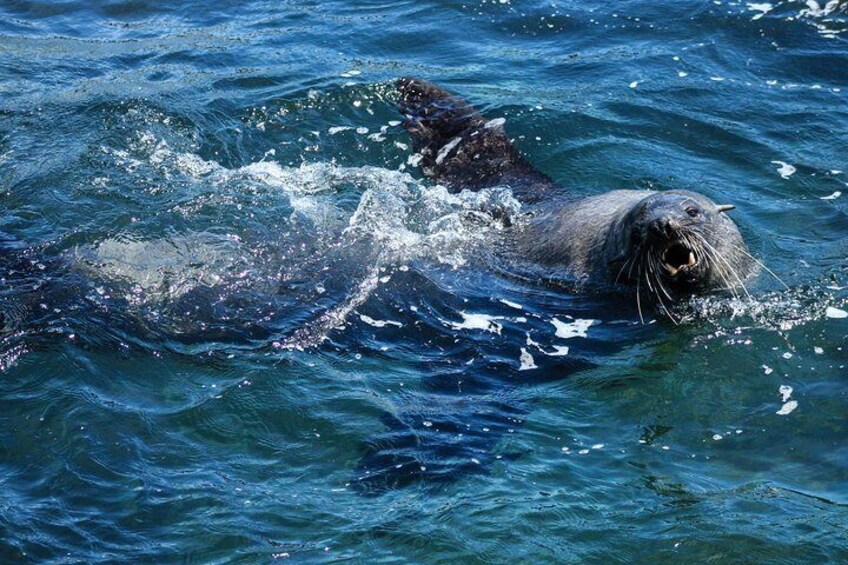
(671, 244)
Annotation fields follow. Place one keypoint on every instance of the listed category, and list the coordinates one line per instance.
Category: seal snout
(663, 228)
(666, 234)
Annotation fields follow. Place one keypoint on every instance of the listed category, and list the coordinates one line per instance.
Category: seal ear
(725, 207)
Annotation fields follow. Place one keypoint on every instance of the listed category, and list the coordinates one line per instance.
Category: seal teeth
(671, 270)
(691, 258)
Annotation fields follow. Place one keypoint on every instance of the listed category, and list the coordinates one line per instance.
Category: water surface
(240, 326)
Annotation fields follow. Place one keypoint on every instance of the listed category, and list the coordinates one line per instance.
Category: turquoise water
(240, 327)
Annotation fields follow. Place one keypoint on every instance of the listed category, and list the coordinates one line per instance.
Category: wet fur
(549, 236)
(459, 148)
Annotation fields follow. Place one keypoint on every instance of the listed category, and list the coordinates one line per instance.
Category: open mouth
(678, 257)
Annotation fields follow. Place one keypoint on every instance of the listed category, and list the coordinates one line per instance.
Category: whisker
(624, 266)
(725, 272)
(662, 287)
(729, 267)
(645, 273)
(667, 311)
(638, 298)
(711, 256)
(658, 278)
(761, 264)
(637, 255)
(713, 262)
(722, 272)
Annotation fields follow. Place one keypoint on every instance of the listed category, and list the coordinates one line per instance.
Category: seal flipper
(459, 148)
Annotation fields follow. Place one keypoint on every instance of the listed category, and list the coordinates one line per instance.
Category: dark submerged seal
(671, 244)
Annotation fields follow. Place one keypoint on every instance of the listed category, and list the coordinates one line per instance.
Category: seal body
(671, 243)
(577, 234)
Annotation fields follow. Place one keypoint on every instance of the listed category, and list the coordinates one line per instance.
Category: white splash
(559, 350)
(400, 217)
(379, 323)
(512, 304)
(833, 196)
(763, 9)
(815, 10)
(577, 328)
(527, 361)
(472, 321)
(785, 170)
(836, 313)
(788, 405)
(787, 408)
(440, 225)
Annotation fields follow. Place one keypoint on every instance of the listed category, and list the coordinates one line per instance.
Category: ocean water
(240, 327)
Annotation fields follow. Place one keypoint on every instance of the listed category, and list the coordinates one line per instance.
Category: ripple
(253, 309)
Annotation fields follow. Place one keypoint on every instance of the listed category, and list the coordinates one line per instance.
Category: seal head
(678, 242)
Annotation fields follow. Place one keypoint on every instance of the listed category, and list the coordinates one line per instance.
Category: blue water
(240, 327)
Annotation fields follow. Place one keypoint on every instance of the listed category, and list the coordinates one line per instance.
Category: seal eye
(693, 212)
